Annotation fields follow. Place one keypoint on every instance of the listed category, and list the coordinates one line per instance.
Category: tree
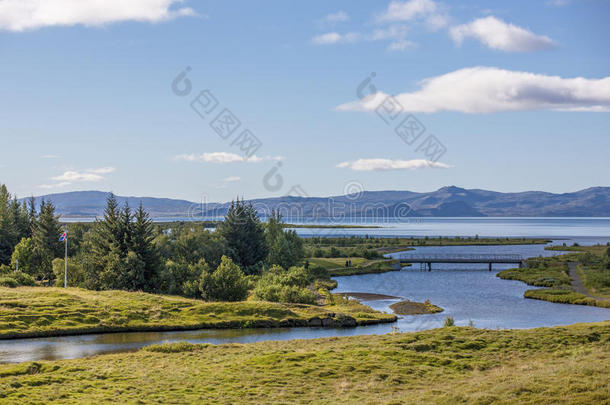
(46, 241)
(226, 283)
(120, 250)
(23, 255)
(245, 236)
(141, 242)
(285, 246)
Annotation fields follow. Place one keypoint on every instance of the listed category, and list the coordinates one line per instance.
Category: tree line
(125, 250)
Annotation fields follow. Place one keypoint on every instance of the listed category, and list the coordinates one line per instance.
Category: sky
(209, 100)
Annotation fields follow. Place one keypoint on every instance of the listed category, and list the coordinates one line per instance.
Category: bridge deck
(459, 258)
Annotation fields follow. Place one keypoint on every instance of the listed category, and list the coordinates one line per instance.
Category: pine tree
(46, 244)
(143, 234)
(245, 236)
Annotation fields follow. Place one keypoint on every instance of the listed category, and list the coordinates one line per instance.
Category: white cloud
(335, 38)
(496, 34)
(88, 175)
(102, 170)
(224, 157)
(487, 90)
(49, 157)
(425, 10)
(51, 186)
(389, 164)
(232, 179)
(401, 45)
(339, 16)
(21, 15)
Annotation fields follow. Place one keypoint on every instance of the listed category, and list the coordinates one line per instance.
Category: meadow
(568, 365)
(47, 311)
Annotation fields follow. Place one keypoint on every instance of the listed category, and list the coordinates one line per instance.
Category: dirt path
(577, 283)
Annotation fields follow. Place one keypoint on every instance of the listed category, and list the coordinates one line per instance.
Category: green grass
(46, 311)
(336, 266)
(553, 273)
(568, 365)
(415, 308)
(541, 272)
(565, 297)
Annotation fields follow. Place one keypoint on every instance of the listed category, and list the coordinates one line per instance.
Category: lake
(469, 293)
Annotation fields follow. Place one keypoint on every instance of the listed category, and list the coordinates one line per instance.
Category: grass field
(46, 311)
(335, 266)
(567, 365)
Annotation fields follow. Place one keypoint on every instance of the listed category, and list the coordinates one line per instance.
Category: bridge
(428, 259)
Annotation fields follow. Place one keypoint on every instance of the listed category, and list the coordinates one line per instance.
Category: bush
(279, 285)
(10, 282)
(449, 321)
(76, 275)
(226, 283)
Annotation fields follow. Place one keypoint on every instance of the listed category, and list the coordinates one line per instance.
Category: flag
(63, 236)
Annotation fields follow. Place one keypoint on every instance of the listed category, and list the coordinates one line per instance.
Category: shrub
(226, 283)
(6, 281)
(449, 321)
(279, 285)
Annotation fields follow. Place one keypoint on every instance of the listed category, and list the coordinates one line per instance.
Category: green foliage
(226, 283)
(279, 285)
(45, 235)
(245, 236)
(449, 321)
(181, 278)
(119, 252)
(76, 274)
(15, 279)
(15, 223)
(23, 256)
(285, 246)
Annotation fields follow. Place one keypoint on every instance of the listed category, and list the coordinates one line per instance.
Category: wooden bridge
(426, 260)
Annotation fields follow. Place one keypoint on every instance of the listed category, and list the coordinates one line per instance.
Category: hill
(445, 202)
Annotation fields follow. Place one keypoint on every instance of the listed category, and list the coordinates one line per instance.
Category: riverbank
(448, 365)
(45, 311)
(562, 276)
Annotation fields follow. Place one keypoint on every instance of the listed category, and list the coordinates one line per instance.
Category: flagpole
(66, 261)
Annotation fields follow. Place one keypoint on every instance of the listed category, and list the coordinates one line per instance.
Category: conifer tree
(245, 236)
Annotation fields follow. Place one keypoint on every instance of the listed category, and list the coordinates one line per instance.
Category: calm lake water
(466, 292)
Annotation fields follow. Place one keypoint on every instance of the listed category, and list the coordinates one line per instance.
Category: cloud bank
(21, 15)
(389, 164)
(496, 34)
(487, 90)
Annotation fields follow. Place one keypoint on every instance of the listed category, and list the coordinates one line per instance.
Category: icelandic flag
(63, 236)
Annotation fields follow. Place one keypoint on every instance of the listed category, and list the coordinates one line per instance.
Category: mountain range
(445, 202)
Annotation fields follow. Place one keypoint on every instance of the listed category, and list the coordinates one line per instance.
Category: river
(469, 293)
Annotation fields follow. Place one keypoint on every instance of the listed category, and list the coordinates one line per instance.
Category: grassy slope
(41, 311)
(447, 366)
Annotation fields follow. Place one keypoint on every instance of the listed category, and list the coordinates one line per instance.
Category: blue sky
(517, 93)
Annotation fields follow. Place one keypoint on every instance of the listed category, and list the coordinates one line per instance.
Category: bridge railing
(465, 257)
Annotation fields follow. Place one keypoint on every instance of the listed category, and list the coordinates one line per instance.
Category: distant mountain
(445, 202)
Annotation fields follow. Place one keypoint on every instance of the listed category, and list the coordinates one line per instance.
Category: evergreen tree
(285, 246)
(143, 234)
(245, 236)
(7, 227)
(46, 244)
